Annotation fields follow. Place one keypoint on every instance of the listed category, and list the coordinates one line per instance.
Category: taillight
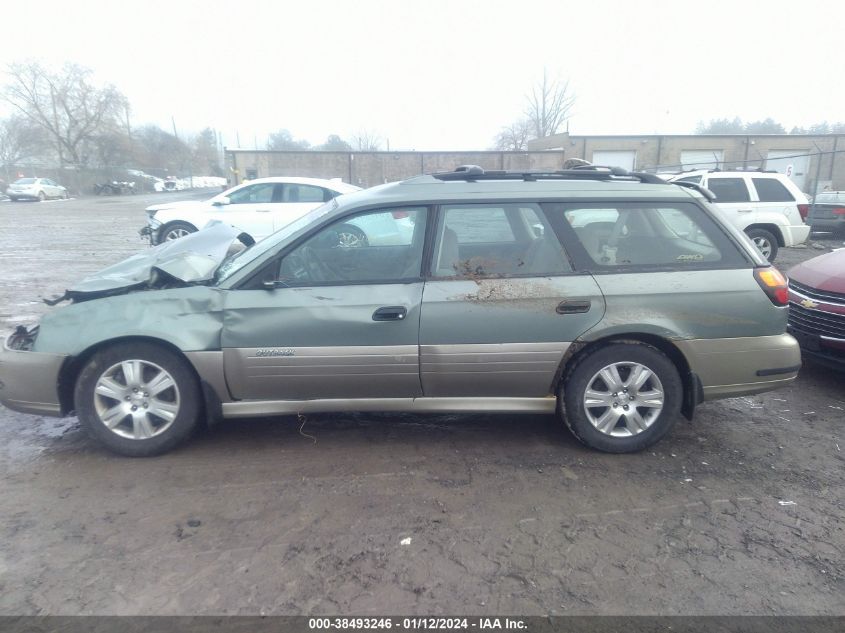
(774, 284)
(839, 211)
(398, 215)
(804, 209)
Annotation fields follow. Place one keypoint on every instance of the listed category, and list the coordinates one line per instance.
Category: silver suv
(612, 298)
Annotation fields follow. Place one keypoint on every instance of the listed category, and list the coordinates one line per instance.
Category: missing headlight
(22, 339)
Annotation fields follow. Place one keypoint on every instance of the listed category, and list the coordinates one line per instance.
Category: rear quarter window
(772, 190)
(658, 235)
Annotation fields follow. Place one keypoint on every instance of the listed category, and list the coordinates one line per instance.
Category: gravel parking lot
(739, 512)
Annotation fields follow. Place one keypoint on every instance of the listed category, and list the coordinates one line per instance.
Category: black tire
(181, 402)
(13, 199)
(765, 241)
(65, 195)
(41, 196)
(350, 236)
(582, 420)
(175, 230)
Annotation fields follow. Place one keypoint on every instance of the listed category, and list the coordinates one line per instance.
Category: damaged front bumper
(29, 381)
(147, 233)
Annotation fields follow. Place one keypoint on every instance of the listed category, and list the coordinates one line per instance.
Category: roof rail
(474, 173)
(704, 191)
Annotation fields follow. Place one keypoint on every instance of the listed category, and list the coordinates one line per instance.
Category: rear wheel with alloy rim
(138, 399)
(622, 398)
(765, 242)
(41, 196)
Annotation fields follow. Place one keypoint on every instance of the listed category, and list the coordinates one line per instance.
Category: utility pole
(818, 175)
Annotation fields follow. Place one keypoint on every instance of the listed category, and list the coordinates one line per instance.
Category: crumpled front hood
(190, 259)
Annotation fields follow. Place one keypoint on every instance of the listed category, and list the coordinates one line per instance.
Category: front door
(502, 304)
(341, 322)
(250, 209)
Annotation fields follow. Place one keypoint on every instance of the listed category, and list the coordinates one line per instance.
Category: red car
(817, 308)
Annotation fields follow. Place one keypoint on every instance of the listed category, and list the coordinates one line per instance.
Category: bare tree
(548, 106)
(158, 150)
(283, 140)
(65, 105)
(20, 139)
(334, 142)
(514, 137)
(366, 141)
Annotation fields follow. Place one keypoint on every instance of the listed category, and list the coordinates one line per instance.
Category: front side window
(729, 189)
(771, 190)
(631, 235)
(253, 194)
(496, 240)
(374, 247)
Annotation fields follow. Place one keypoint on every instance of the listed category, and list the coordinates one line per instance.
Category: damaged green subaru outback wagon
(612, 298)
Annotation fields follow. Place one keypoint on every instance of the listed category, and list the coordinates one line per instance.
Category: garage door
(786, 162)
(627, 159)
(701, 158)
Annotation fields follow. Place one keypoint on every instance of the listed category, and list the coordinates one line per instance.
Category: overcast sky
(443, 75)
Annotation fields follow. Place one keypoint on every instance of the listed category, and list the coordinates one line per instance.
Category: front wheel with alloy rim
(175, 230)
(41, 196)
(138, 399)
(622, 397)
(350, 236)
(765, 242)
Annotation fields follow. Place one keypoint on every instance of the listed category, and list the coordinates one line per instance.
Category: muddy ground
(740, 512)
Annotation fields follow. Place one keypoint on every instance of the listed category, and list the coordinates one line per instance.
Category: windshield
(25, 181)
(233, 264)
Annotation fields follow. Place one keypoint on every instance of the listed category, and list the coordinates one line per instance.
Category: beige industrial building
(792, 154)
(796, 155)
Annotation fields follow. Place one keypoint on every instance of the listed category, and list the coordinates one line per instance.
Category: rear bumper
(795, 234)
(731, 367)
(829, 224)
(29, 381)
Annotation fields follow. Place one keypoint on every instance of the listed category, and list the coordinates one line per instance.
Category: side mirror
(222, 201)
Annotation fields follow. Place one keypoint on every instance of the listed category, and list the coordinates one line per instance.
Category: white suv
(767, 205)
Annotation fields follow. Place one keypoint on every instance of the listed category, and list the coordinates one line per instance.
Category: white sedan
(258, 207)
(35, 189)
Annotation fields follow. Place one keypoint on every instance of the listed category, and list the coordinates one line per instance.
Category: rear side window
(497, 240)
(665, 236)
(729, 189)
(772, 190)
(303, 193)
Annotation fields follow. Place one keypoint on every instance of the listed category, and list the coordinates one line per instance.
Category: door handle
(573, 307)
(390, 313)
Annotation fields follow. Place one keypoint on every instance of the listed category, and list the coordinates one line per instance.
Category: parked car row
(35, 189)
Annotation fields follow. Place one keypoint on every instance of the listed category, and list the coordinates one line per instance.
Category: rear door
(502, 303)
(734, 198)
(343, 322)
(295, 200)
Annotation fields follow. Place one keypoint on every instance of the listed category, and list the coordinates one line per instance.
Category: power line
(744, 162)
